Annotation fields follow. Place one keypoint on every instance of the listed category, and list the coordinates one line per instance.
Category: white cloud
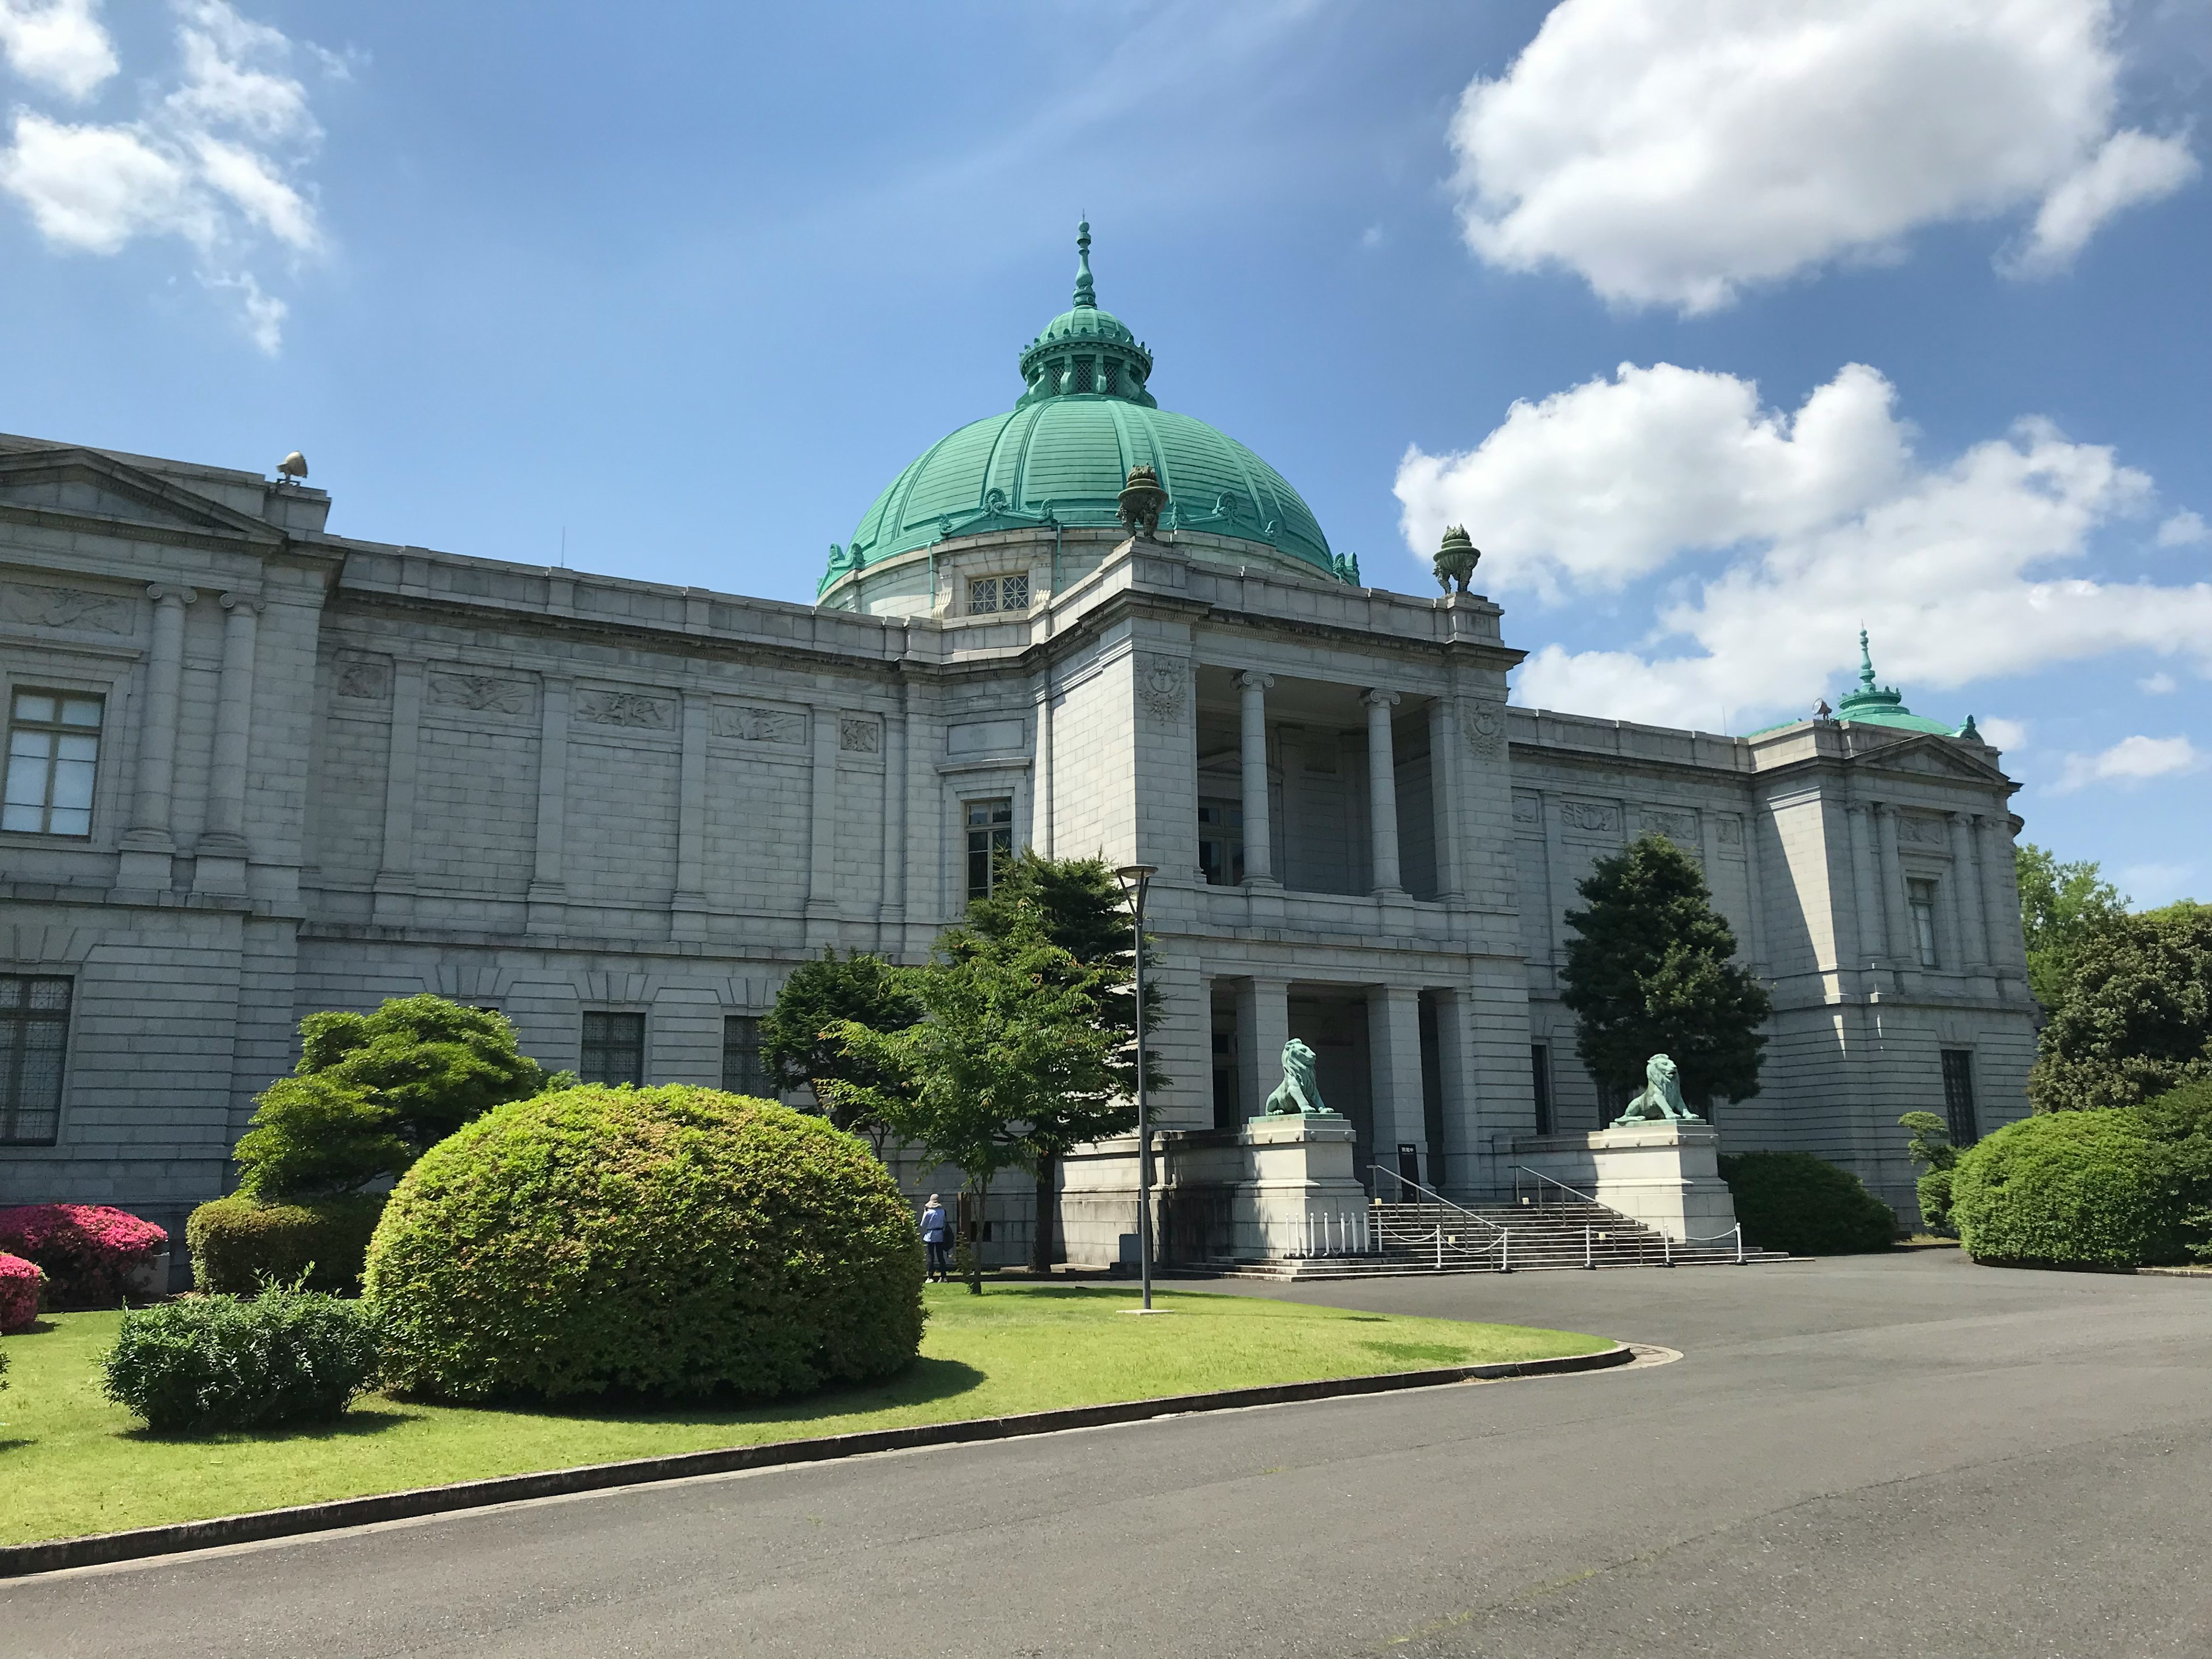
(1671, 151)
(2157, 686)
(59, 45)
(2183, 529)
(213, 160)
(2001, 734)
(2130, 761)
(1778, 534)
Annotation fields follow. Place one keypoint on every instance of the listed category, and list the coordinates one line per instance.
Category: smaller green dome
(1872, 705)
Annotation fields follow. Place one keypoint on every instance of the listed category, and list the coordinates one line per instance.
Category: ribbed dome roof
(1063, 452)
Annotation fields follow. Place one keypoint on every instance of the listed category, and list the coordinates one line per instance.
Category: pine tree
(1648, 972)
(795, 1042)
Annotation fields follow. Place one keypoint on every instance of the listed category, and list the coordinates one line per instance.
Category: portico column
(1456, 1085)
(1263, 1026)
(1394, 1047)
(149, 834)
(1259, 836)
(221, 867)
(1382, 792)
(1965, 895)
(1889, 872)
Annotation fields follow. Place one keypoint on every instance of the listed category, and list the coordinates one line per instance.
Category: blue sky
(1911, 301)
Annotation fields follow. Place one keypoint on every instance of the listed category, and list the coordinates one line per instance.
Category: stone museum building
(257, 768)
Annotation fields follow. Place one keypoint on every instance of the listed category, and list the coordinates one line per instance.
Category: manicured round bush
(675, 1242)
(2069, 1189)
(1795, 1203)
(205, 1363)
(89, 1251)
(19, 1284)
(241, 1245)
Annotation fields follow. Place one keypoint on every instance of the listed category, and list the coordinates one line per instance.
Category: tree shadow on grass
(924, 1382)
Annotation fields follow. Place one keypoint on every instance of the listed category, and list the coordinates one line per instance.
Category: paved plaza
(1902, 1456)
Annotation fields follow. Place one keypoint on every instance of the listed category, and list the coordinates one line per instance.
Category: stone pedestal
(1217, 1193)
(1666, 1176)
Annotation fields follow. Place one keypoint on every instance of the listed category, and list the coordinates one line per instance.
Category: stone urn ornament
(1456, 559)
(1141, 499)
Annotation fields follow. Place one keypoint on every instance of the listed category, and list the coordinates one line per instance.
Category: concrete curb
(20, 1561)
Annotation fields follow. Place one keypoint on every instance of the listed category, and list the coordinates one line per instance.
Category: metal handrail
(1433, 1196)
(1520, 1170)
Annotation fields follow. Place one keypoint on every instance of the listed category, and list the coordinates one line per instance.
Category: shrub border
(97, 1549)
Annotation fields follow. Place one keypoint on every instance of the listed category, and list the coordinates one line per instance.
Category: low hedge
(20, 1281)
(89, 1251)
(240, 1245)
(206, 1363)
(675, 1242)
(2072, 1189)
(1795, 1203)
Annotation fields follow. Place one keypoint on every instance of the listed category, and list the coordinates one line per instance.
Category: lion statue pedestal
(1658, 1162)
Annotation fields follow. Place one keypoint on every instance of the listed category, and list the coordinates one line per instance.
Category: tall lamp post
(1134, 879)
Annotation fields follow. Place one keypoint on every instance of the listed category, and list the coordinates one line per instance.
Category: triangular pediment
(83, 483)
(1933, 756)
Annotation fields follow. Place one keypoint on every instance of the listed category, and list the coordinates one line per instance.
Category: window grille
(53, 750)
(1920, 899)
(1014, 592)
(983, 594)
(990, 839)
(614, 1047)
(1110, 377)
(1221, 841)
(744, 1071)
(1084, 375)
(1959, 1097)
(33, 1036)
(992, 593)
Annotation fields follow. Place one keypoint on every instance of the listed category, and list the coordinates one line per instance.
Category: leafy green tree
(796, 1040)
(1648, 971)
(2136, 1020)
(371, 1092)
(1930, 1143)
(1084, 912)
(2060, 905)
(1013, 1054)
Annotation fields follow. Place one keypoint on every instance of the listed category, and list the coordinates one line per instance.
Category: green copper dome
(1062, 454)
(1872, 705)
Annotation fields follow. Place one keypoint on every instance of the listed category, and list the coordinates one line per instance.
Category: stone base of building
(1268, 1188)
(1666, 1176)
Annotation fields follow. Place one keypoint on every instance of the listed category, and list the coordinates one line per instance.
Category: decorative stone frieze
(1484, 722)
(479, 693)
(630, 709)
(858, 735)
(364, 679)
(1592, 815)
(1161, 687)
(780, 726)
(64, 607)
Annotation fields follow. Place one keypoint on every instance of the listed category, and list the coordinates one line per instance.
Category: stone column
(395, 874)
(895, 853)
(2001, 917)
(1393, 1048)
(1966, 897)
(687, 905)
(1889, 871)
(1455, 1082)
(1263, 1026)
(1444, 761)
(822, 863)
(548, 892)
(147, 843)
(1865, 881)
(221, 855)
(1259, 835)
(1382, 792)
(1041, 823)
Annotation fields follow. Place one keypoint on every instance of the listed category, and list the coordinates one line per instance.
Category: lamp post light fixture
(1134, 879)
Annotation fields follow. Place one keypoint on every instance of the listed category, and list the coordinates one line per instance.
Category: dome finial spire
(1086, 293)
(1866, 662)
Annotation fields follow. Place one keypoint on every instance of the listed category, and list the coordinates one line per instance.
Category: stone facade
(330, 771)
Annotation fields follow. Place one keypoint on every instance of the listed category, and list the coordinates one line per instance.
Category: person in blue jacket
(937, 1234)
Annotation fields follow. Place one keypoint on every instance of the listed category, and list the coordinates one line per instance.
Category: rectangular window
(1920, 899)
(990, 839)
(744, 1071)
(1540, 1069)
(53, 748)
(988, 594)
(1083, 374)
(33, 1033)
(614, 1048)
(1221, 841)
(1959, 1095)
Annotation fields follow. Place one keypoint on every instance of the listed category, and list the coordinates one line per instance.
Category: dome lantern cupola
(1084, 351)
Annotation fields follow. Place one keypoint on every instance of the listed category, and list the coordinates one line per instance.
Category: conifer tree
(795, 1040)
(1648, 972)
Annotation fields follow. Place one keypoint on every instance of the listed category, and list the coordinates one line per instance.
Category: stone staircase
(1436, 1238)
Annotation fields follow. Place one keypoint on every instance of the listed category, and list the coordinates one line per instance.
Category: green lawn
(70, 1463)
